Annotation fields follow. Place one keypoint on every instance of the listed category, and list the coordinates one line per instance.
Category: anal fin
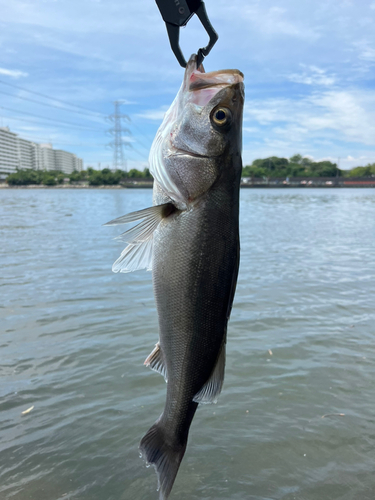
(212, 388)
(156, 361)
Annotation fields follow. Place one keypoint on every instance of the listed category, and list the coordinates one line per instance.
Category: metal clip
(177, 13)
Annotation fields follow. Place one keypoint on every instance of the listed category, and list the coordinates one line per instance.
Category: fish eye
(221, 116)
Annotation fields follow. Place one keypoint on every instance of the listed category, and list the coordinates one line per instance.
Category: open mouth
(221, 79)
(204, 86)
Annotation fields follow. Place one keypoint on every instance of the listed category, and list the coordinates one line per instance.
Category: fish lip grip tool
(176, 14)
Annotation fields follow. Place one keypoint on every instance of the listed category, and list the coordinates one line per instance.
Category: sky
(309, 74)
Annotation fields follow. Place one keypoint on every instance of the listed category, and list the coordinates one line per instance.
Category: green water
(73, 338)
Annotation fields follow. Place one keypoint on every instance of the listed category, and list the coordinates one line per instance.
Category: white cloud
(267, 21)
(325, 124)
(351, 114)
(348, 162)
(153, 114)
(366, 50)
(128, 140)
(312, 75)
(14, 73)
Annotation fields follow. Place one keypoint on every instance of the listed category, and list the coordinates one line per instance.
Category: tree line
(299, 166)
(295, 166)
(91, 176)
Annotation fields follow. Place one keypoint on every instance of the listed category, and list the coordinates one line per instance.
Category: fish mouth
(223, 78)
(197, 78)
(202, 86)
(183, 152)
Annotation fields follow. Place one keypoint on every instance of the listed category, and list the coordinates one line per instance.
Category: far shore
(246, 183)
(150, 186)
(74, 186)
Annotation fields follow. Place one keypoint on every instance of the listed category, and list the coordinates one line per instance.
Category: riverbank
(79, 186)
(247, 185)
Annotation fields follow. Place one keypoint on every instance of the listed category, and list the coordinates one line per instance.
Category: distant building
(9, 155)
(17, 153)
(67, 162)
(47, 158)
(28, 154)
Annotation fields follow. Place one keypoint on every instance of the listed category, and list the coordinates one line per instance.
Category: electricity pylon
(119, 161)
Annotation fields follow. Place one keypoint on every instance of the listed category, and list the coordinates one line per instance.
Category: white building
(17, 153)
(47, 157)
(9, 156)
(66, 162)
(28, 154)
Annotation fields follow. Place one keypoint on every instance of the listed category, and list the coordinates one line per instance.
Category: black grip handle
(177, 13)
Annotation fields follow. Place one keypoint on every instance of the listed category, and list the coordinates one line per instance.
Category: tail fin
(166, 458)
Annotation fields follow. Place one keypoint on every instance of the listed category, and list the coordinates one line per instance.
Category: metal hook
(177, 13)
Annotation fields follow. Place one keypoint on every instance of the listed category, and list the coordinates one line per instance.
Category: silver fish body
(192, 238)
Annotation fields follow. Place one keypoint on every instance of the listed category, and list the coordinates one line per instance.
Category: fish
(189, 238)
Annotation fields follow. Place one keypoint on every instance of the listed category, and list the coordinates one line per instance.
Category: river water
(296, 418)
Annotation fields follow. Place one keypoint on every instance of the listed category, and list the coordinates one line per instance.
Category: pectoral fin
(212, 388)
(138, 253)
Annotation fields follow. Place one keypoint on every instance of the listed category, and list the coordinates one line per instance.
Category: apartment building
(67, 162)
(47, 158)
(28, 154)
(9, 155)
(17, 153)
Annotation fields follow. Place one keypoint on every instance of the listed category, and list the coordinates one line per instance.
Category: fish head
(202, 128)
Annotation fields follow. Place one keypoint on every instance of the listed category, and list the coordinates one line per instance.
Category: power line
(53, 98)
(143, 135)
(29, 121)
(146, 147)
(50, 119)
(56, 141)
(139, 152)
(70, 144)
(69, 104)
(44, 103)
(134, 159)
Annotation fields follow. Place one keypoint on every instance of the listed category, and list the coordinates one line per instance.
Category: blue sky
(309, 74)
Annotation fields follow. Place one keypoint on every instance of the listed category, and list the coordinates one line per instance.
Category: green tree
(25, 177)
(254, 171)
(298, 166)
(372, 168)
(323, 169)
(306, 162)
(76, 176)
(95, 178)
(361, 171)
(49, 179)
(297, 158)
(60, 176)
(134, 173)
